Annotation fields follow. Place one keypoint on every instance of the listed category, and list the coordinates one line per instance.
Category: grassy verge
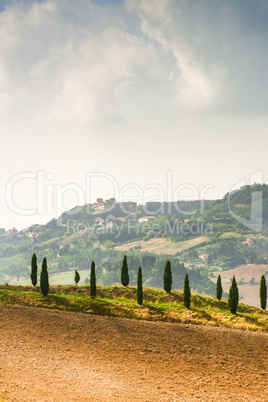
(118, 301)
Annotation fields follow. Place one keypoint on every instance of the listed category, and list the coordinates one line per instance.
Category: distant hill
(200, 237)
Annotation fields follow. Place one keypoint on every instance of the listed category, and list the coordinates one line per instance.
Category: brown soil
(249, 293)
(58, 356)
(246, 272)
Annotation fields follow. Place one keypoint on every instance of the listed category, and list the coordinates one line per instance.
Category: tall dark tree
(233, 297)
(139, 287)
(44, 282)
(93, 287)
(124, 272)
(34, 270)
(167, 278)
(186, 292)
(263, 293)
(76, 277)
(219, 288)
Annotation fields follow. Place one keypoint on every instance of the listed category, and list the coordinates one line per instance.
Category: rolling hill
(214, 237)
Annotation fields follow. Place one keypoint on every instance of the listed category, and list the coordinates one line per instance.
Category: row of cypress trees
(167, 282)
(44, 281)
(167, 279)
(93, 286)
(125, 279)
(186, 290)
(233, 297)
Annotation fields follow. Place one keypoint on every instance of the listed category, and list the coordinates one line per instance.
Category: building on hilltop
(146, 218)
(249, 242)
(99, 221)
(203, 257)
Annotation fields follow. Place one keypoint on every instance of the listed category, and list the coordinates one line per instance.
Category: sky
(136, 99)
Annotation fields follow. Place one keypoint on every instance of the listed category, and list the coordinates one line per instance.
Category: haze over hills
(204, 238)
(163, 106)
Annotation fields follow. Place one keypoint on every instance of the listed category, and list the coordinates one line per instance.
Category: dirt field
(57, 356)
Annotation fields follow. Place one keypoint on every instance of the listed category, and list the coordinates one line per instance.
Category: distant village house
(146, 219)
(249, 242)
(203, 257)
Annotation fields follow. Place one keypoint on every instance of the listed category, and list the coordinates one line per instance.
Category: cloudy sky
(144, 99)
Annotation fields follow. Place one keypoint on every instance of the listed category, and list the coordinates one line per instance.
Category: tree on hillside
(233, 297)
(63, 266)
(93, 287)
(139, 287)
(219, 288)
(209, 260)
(167, 277)
(263, 293)
(76, 277)
(34, 270)
(251, 281)
(186, 292)
(124, 272)
(44, 283)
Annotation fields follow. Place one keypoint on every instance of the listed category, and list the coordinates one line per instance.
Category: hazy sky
(146, 91)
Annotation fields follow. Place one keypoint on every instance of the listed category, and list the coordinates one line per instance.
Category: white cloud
(217, 47)
(66, 61)
(66, 65)
(196, 86)
(78, 63)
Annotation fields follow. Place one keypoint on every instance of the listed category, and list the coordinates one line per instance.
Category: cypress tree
(233, 297)
(93, 287)
(263, 293)
(34, 270)
(76, 277)
(186, 292)
(219, 288)
(139, 287)
(167, 277)
(124, 272)
(44, 283)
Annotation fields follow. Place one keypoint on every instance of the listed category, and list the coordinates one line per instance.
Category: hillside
(162, 246)
(207, 241)
(119, 301)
